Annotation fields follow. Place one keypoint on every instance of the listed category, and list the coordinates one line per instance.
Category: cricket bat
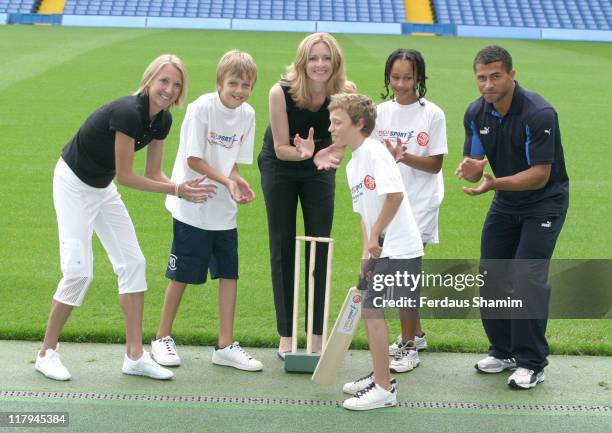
(339, 339)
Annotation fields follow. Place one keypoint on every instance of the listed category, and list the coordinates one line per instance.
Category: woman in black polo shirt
(299, 122)
(86, 201)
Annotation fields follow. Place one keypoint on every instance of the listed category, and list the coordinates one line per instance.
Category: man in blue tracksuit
(518, 133)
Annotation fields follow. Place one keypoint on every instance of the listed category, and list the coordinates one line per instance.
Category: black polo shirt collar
(516, 106)
(143, 108)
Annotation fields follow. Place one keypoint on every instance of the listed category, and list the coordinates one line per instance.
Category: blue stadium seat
(589, 14)
(580, 14)
(17, 6)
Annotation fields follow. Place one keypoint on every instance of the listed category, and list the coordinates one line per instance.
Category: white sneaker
(360, 384)
(524, 378)
(419, 342)
(51, 365)
(372, 397)
(163, 351)
(406, 359)
(235, 356)
(394, 346)
(490, 364)
(145, 366)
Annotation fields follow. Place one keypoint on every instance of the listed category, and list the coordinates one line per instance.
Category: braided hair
(418, 67)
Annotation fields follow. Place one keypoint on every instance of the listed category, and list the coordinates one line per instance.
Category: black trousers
(282, 188)
(507, 236)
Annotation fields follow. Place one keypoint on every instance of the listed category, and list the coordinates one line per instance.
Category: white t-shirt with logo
(372, 174)
(222, 137)
(422, 130)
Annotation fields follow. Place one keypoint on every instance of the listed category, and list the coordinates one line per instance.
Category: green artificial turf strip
(138, 416)
(54, 77)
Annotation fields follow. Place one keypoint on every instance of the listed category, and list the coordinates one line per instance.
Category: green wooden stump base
(301, 362)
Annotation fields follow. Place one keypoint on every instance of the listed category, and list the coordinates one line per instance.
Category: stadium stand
(556, 14)
(523, 19)
(382, 11)
(17, 6)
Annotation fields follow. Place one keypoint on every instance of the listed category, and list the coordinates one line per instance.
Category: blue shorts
(195, 250)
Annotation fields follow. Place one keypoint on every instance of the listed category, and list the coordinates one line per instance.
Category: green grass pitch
(51, 78)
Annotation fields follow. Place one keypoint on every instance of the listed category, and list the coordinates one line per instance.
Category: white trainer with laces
(163, 351)
(394, 346)
(406, 359)
(490, 364)
(419, 342)
(145, 366)
(51, 365)
(360, 384)
(372, 397)
(235, 356)
(524, 378)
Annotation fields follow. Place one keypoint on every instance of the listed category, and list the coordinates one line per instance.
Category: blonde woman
(86, 201)
(298, 130)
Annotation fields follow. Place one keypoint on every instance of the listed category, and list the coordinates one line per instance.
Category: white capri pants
(427, 221)
(81, 210)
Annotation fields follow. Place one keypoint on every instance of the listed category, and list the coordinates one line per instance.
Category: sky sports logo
(404, 136)
(226, 141)
(357, 191)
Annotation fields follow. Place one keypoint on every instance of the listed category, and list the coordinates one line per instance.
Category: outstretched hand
(486, 185)
(470, 168)
(397, 151)
(245, 192)
(305, 146)
(196, 190)
(325, 159)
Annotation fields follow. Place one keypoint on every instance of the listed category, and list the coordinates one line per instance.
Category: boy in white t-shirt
(217, 134)
(378, 196)
(414, 131)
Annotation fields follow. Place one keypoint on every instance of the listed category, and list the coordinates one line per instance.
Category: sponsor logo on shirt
(357, 191)
(404, 136)
(226, 141)
(369, 182)
(423, 139)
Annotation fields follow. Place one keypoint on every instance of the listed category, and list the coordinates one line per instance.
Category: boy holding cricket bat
(391, 240)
